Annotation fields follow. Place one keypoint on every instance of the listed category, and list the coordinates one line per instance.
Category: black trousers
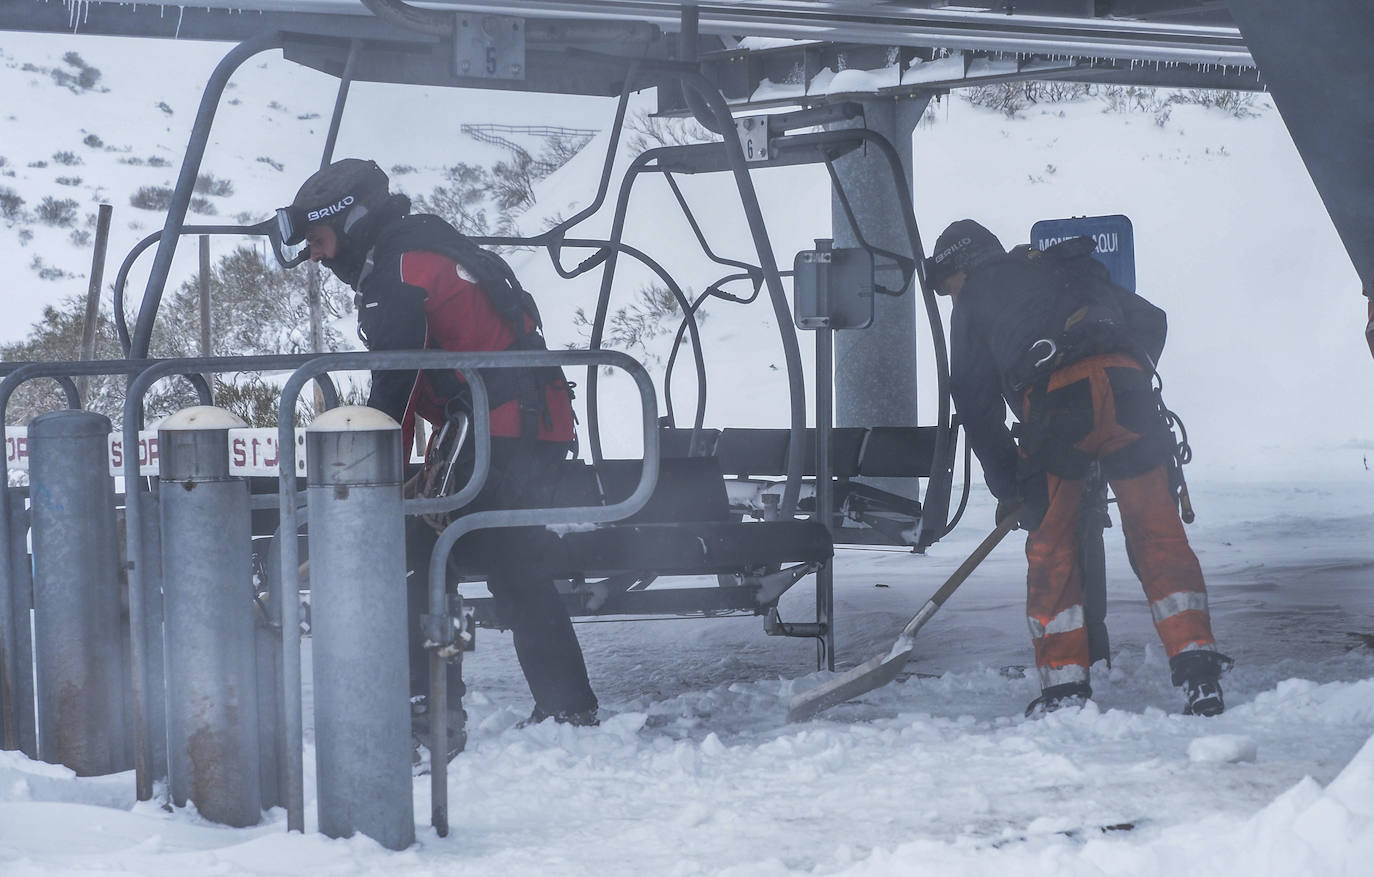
(523, 475)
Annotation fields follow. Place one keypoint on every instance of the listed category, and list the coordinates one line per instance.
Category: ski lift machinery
(674, 512)
(836, 285)
(686, 526)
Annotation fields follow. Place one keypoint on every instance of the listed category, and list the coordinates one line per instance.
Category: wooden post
(205, 295)
(205, 349)
(102, 239)
(312, 276)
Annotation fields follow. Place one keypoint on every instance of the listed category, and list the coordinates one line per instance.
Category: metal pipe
(77, 646)
(269, 675)
(11, 657)
(212, 702)
(468, 364)
(825, 490)
(16, 374)
(604, 299)
(186, 181)
(122, 276)
(944, 425)
(21, 597)
(336, 118)
(204, 289)
(782, 311)
(153, 681)
(102, 238)
(292, 766)
(907, 25)
(138, 558)
(358, 627)
(441, 629)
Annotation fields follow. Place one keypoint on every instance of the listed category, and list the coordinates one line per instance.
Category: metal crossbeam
(868, 22)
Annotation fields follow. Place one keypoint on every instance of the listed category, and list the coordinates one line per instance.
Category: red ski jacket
(410, 296)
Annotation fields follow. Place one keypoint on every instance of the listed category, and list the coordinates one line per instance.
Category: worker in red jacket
(421, 284)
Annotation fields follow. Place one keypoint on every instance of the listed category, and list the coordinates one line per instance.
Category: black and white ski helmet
(338, 195)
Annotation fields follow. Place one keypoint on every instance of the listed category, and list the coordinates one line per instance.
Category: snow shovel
(878, 671)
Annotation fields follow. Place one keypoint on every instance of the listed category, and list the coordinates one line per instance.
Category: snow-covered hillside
(694, 770)
(1265, 360)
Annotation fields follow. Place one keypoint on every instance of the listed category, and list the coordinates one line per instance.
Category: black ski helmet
(339, 195)
(962, 246)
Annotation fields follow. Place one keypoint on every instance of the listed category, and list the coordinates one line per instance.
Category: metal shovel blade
(873, 673)
(878, 671)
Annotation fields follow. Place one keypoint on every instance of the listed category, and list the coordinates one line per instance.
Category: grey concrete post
(77, 641)
(207, 573)
(21, 599)
(875, 368)
(358, 610)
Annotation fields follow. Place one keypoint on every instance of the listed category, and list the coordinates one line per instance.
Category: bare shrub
(56, 337)
(652, 313)
(152, 198)
(208, 184)
(11, 204)
(647, 132)
(56, 211)
(461, 200)
(46, 271)
(1240, 104)
(83, 79)
(1011, 98)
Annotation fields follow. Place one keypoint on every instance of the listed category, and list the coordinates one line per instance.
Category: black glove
(1010, 507)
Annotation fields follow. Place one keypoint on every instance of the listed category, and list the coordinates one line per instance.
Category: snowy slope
(695, 771)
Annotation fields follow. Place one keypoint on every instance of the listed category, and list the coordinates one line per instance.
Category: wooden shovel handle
(1004, 526)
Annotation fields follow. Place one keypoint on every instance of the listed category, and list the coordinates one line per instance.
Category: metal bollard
(76, 601)
(358, 612)
(21, 599)
(207, 574)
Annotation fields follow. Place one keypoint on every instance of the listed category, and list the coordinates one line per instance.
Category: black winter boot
(1199, 674)
(580, 718)
(422, 748)
(1056, 697)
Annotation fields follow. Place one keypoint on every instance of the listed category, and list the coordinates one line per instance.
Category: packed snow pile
(694, 769)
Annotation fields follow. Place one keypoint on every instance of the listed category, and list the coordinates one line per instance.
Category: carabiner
(1048, 356)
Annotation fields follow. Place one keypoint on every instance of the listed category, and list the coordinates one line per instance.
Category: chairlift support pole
(340, 99)
(825, 490)
(186, 181)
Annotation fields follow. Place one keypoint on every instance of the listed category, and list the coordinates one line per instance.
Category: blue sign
(1115, 241)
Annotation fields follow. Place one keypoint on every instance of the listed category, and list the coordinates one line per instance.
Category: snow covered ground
(694, 770)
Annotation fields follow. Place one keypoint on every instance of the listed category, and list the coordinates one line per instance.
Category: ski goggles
(937, 272)
(289, 239)
(291, 225)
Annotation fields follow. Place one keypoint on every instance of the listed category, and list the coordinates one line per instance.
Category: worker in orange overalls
(1073, 355)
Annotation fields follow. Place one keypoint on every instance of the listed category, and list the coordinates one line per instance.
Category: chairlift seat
(684, 529)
